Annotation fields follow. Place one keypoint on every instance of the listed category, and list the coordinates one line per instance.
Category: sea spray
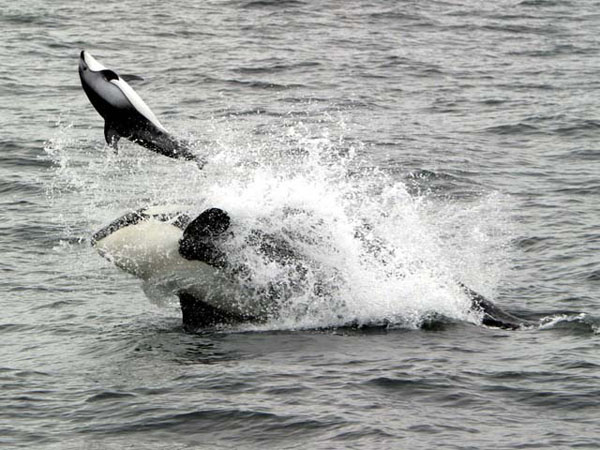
(366, 250)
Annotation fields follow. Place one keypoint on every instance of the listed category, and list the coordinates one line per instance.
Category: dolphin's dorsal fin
(131, 77)
(111, 135)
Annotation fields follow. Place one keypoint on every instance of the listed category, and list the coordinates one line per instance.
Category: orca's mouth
(128, 219)
(179, 220)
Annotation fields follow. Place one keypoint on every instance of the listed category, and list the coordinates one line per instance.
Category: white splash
(372, 252)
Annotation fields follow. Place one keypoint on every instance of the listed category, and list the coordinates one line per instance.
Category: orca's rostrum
(156, 241)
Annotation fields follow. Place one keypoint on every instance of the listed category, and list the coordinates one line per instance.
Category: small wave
(584, 127)
(594, 275)
(533, 243)
(576, 323)
(512, 28)
(443, 184)
(276, 4)
(249, 424)
(589, 188)
(407, 384)
(255, 84)
(401, 16)
(277, 67)
(24, 18)
(54, 305)
(20, 187)
(587, 154)
(543, 3)
(108, 395)
(514, 129)
(15, 327)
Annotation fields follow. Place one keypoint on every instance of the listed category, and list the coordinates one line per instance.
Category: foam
(372, 252)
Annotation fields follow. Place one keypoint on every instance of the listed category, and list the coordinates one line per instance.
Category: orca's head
(102, 86)
(146, 241)
(142, 242)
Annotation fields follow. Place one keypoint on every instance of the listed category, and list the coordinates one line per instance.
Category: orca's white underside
(148, 250)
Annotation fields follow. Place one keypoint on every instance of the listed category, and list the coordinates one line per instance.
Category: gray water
(464, 132)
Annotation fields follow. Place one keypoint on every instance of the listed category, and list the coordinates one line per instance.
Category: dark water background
(485, 111)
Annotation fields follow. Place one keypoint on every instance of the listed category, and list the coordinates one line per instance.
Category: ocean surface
(462, 136)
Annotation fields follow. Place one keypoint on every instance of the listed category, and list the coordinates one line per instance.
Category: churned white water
(394, 148)
(371, 252)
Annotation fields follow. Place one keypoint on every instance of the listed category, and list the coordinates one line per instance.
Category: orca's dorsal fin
(211, 222)
(131, 77)
(197, 242)
(111, 135)
(494, 316)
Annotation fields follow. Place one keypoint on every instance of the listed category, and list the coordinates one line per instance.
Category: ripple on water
(475, 115)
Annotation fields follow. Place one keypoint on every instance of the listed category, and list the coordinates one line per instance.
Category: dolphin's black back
(111, 96)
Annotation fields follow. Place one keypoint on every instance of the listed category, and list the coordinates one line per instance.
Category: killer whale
(166, 242)
(125, 114)
(162, 241)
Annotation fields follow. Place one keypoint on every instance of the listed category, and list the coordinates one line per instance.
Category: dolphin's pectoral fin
(111, 135)
(130, 77)
(493, 316)
(199, 314)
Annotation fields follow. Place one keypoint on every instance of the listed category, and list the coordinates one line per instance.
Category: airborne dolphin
(125, 114)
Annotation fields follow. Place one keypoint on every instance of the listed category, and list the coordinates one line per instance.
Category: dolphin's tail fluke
(167, 145)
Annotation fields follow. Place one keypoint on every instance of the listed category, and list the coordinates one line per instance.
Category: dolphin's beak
(82, 64)
(88, 62)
